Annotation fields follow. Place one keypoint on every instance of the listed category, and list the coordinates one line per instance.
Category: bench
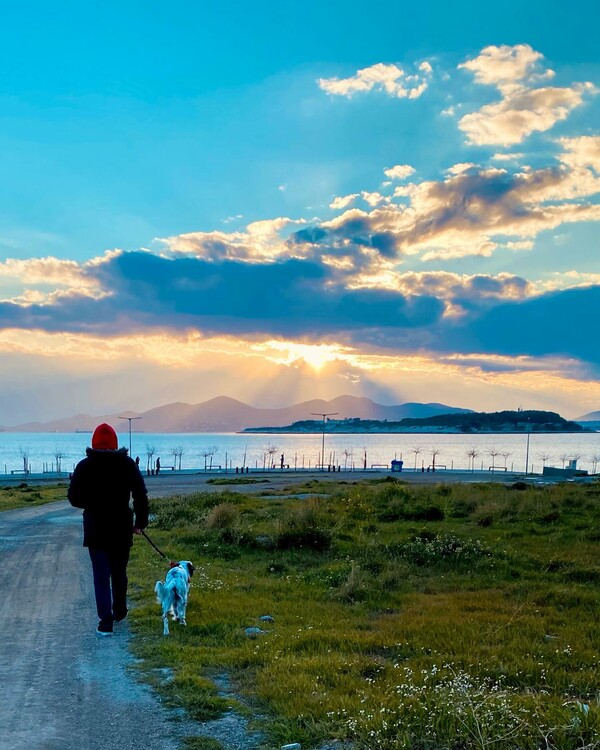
(19, 471)
(497, 468)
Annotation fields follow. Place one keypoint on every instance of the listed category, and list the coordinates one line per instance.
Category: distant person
(102, 484)
(158, 466)
(137, 461)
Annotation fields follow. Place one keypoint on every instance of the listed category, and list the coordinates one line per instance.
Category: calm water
(304, 450)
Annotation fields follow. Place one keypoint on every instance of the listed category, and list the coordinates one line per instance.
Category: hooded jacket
(102, 484)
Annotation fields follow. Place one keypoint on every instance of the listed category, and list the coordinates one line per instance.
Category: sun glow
(289, 352)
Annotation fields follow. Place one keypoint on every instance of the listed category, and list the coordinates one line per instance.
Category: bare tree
(505, 455)
(595, 459)
(177, 452)
(150, 451)
(543, 458)
(434, 453)
(564, 457)
(472, 454)
(58, 457)
(493, 453)
(347, 455)
(416, 450)
(271, 451)
(208, 453)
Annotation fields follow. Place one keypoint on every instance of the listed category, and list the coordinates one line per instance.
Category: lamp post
(527, 451)
(323, 414)
(130, 420)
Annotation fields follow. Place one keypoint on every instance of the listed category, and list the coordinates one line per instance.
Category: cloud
(508, 157)
(438, 312)
(458, 289)
(263, 241)
(523, 108)
(505, 66)
(460, 167)
(568, 280)
(472, 211)
(399, 172)
(520, 113)
(388, 78)
(283, 298)
(47, 271)
(343, 201)
(581, 152)
(557, 323)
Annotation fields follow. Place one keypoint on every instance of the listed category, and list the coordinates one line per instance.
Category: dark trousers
(110, 582)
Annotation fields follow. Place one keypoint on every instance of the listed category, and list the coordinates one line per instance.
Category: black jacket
(102, 484)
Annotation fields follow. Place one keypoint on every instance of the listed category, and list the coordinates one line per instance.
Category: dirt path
(62, 687)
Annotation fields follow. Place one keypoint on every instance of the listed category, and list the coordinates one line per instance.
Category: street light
(528, 425)
(130, 420)
(323, 414)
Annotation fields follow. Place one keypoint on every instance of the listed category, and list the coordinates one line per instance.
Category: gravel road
(63, 687)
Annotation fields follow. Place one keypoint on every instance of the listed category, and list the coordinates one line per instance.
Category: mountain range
(224, 414)
(593, 416)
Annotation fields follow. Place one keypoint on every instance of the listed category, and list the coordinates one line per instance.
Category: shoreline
(415, 431)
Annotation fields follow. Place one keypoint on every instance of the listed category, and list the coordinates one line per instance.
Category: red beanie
(104, 438)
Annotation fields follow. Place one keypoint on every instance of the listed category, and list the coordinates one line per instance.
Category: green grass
(201, 743)
(236, 480)
(23, 495)
(423, 618)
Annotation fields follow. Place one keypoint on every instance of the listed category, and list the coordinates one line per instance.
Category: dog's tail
(159, 590)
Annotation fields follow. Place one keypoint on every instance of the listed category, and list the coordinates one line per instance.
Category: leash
(151, 543)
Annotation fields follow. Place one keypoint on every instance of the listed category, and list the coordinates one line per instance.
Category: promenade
(197, 480)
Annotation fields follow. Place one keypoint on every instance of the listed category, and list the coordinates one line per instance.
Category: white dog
(172, 595)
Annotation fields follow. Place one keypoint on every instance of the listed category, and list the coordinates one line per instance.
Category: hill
(224, 414)
(472, 422)
(593, 416)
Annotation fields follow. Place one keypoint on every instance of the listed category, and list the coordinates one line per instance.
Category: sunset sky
(283, 201)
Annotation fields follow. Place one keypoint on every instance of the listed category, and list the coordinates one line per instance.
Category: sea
(48, 452)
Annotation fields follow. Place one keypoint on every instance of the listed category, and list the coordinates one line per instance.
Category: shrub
(170, 512)
(221, 517)
(445, 707)
(462, 508)
(520, 486)
(423, 512)
(304, 527)
(356, 586)
(224, 519)
(449, 549)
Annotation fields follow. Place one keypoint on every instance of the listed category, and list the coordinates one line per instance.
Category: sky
(284, 201)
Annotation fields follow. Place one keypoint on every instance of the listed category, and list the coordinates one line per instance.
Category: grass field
(457, 617)
(24, 495)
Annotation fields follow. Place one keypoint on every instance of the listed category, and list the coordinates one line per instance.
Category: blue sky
(191, 192)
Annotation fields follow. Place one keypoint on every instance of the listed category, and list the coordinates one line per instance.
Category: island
(471, 422)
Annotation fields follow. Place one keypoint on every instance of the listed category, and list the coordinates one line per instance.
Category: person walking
(102, 484)
(158, 466)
